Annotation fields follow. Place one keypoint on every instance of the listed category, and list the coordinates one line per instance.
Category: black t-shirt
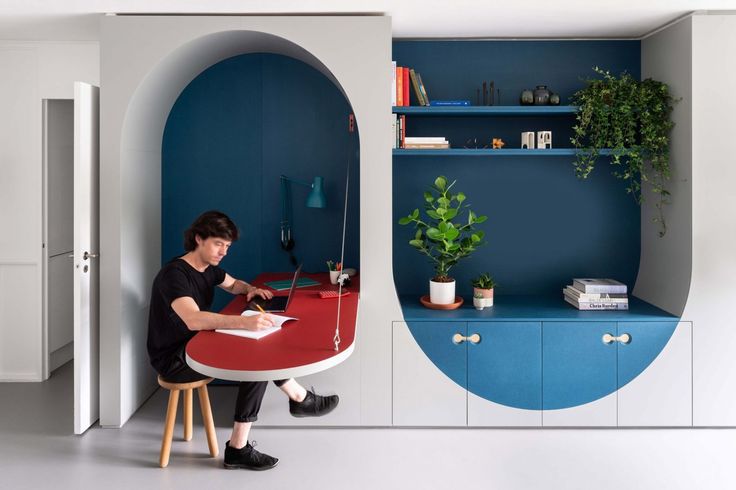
(167, 333)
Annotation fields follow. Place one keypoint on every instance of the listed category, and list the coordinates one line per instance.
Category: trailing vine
(632, 119)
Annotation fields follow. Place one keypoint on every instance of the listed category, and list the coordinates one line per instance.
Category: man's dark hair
(210, 223)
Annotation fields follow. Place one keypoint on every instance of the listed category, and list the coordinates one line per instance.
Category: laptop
(277, 304)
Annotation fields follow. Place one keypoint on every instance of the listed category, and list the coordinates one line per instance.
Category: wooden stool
(204, 404)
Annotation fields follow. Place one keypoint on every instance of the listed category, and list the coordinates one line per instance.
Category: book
(423, 90)
(399, 86)
(590, 285)
(279, 320)
(597, 305)
(393, 83)
(596, 300)
(415, 84)
(580, 296)
(418, 146)
(405, 78)
(284, 284)
(402, 135)
(425, 139)
(441, 103)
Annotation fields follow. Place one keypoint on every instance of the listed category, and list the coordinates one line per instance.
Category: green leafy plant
(632, 118)
(440, 238)
(483, 281)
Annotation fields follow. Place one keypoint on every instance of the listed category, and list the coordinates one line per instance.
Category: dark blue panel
(545, 226)
(233, 130)
(506, 366)
(647, 341)
(435, 340)
(578, 367)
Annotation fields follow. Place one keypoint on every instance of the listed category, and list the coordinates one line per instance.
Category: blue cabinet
(505, 368)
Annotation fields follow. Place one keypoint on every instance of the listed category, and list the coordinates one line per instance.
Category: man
(180, 299)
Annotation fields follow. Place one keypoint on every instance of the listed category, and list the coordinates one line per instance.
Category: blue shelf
(531, 308)
(515, 152)
(528, 110)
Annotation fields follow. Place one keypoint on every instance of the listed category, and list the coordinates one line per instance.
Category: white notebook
(279, 320)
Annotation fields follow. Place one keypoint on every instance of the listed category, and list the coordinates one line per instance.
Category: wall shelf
(527, 110)
(472, 152)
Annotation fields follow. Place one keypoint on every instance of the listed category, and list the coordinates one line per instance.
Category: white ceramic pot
(442, 293)
(333, 276)
(482, 298)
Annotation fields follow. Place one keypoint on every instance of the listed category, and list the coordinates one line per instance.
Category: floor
(39, 451)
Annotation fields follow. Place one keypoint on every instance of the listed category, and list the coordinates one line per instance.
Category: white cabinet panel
(662, 394)
(422, 394)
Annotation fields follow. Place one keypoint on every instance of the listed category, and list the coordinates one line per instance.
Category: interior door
(86, 263)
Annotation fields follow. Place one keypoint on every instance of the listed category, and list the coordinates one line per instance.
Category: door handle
(623, 338)
(88, 255)
(459, 339)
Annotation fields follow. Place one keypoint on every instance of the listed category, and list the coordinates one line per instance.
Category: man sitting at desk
(180, 299)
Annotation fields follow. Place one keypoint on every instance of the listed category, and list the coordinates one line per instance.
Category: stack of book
(426, 142)
(597, 294)
(402, 79)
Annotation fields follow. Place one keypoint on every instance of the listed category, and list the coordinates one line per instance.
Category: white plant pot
(333, 276)
(442, 293)
(482, 298)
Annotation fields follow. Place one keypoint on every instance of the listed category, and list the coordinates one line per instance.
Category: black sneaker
(248, 458)
(313, 405)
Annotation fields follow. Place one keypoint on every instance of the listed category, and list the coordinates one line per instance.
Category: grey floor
(39, 451)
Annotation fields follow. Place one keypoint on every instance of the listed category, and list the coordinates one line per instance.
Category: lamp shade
(316, 197)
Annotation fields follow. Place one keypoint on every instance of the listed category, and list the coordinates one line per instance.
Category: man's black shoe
(313, 405)
(248, 458)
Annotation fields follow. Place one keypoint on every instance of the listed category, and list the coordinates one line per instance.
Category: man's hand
(257, 322)
(263, 293)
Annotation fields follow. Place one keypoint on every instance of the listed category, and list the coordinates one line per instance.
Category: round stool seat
(183, 386)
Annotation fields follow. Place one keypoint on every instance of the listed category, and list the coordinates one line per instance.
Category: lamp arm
(301, 182)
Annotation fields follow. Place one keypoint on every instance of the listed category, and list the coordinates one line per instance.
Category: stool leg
(188, 415)
(209, 424)
(169, 428)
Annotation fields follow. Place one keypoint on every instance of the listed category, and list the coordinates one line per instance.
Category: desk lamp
(315, 199)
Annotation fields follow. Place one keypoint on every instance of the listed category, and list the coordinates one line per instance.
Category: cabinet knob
(623, 338)
(459, 339)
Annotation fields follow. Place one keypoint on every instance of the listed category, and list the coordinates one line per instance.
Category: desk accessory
(279, 320)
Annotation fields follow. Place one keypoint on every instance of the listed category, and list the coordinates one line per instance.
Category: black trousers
(250, 393)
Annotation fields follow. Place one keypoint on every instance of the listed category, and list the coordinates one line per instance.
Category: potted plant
(483, 286)
(632, 118)
(443, 240)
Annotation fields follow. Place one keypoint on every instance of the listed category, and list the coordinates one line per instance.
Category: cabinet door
(579, 374)
(505, 374)
(655, 375)
(429, 374)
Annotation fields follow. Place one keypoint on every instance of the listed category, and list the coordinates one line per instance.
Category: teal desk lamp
(315, 199)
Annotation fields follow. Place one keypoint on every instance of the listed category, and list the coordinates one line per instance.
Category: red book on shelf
(399, 86)
(405, 85)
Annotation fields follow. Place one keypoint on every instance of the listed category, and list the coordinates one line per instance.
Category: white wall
(711, 299)
(31, 72)
(146, 62)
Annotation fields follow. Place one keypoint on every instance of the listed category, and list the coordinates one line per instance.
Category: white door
(86, 262)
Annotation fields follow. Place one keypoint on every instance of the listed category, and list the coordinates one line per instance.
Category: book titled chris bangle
(449, 103)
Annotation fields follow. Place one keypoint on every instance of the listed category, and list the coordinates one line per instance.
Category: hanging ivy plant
(632, 119)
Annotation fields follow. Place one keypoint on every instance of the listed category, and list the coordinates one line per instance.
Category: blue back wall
(233, 130)
(545, 226)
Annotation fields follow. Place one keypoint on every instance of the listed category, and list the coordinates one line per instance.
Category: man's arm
(196, 319)
(236, 286)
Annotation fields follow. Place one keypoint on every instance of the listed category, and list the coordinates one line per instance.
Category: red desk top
(301, 347)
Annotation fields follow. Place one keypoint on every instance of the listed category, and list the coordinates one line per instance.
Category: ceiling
(78, 20)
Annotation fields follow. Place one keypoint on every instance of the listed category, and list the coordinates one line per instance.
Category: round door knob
(623, 338)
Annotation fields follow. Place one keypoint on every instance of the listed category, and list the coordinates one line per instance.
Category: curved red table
(300, 348)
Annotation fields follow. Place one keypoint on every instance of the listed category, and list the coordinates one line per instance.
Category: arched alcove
(147, 62)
